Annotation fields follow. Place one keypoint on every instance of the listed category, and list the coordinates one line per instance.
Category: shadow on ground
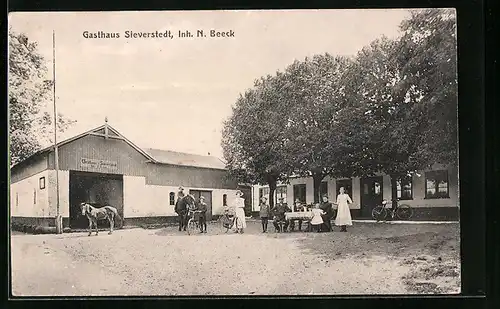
(431, 250)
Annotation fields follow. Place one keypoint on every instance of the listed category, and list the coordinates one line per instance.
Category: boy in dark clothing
(202, 207)
(264, 213)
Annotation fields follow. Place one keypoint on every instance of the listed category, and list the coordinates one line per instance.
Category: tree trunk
(317, 178)
(272, 188)
(394, 191)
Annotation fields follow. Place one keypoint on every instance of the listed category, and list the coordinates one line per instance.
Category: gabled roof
(185, 159)
(157, 156)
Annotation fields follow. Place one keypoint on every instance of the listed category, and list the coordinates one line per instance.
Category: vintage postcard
(283, 152)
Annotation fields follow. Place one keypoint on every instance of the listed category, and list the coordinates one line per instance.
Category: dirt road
(370, 259)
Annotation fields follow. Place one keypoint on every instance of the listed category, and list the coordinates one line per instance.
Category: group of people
(320, 221)
(322, 214)
(184, 209)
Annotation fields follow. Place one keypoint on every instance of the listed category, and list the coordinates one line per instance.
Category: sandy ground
(369, 259)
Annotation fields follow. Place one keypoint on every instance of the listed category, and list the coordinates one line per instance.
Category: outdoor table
(304, 215)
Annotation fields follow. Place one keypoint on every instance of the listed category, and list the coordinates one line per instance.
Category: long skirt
(240, 214)
(343, 215)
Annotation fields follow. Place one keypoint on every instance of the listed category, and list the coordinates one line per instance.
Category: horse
(93, 214)
(181, 208)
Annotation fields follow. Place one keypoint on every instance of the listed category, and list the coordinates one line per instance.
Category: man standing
(180, 209)
(326, 206)
(279, 215)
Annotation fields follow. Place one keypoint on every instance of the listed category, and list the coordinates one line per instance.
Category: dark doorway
(299, 193)
(208, 200)
(371, 195)
(96, 189)
(346, 184)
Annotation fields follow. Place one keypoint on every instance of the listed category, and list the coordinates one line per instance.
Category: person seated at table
(298, 207)
(327, 208)
(279, 215)
(317, 219)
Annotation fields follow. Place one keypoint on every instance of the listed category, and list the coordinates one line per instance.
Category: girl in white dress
(239, 205)
(317, 220)
(343, 212)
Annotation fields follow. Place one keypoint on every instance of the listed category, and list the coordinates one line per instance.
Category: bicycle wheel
(404, 212)
(226, 224)
(191, 226)
(379, 213)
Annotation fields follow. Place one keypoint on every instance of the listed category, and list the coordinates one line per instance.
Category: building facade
(101, 166)
(433, 194)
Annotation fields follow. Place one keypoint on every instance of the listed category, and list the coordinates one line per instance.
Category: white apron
(343, 211)
(316, 219)
(239, 204)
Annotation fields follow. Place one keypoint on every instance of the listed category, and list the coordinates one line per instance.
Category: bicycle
(227, 221)
(401, 212)
(193, 224)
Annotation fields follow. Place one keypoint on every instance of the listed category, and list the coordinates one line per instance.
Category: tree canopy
(391, 108)
(30, 123)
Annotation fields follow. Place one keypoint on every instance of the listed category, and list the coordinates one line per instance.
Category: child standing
(317, 220)
(202, 207)
(264, 213)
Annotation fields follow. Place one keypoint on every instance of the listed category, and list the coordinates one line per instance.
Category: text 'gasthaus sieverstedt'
(166, 34)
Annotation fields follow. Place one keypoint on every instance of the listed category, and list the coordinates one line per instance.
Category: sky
(175, 93)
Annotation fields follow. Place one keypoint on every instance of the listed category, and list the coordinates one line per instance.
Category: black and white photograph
(234, 152)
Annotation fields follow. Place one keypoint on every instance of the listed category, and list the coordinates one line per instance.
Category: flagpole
(58, 220)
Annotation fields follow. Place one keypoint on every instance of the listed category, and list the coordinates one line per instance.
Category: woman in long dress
(239, 205)
(343, 212)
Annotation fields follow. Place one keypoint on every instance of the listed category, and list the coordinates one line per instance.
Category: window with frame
(263, 192)
(171, 198)
(347, 184)
(42, 183)
(281, 193)
(436, 184)
(404, 187)
(299, 192)
(224, 200)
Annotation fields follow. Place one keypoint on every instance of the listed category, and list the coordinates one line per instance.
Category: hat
(264, 197)
(297, 201)
(281, 198)
(202, 197)
(181, 188)
(239, 193)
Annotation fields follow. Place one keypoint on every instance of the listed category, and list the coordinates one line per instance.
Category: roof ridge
(180, 152)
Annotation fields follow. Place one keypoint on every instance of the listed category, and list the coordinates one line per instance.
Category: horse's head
(190, 199)
(84, 207)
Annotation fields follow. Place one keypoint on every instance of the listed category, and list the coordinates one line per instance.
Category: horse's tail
(117, 215)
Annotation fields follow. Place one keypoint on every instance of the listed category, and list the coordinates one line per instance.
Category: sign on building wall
(98, 164)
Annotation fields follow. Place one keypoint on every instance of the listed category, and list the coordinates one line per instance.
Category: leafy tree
(407, 93)
(30, 124)
(252, 138)
(316, 97)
